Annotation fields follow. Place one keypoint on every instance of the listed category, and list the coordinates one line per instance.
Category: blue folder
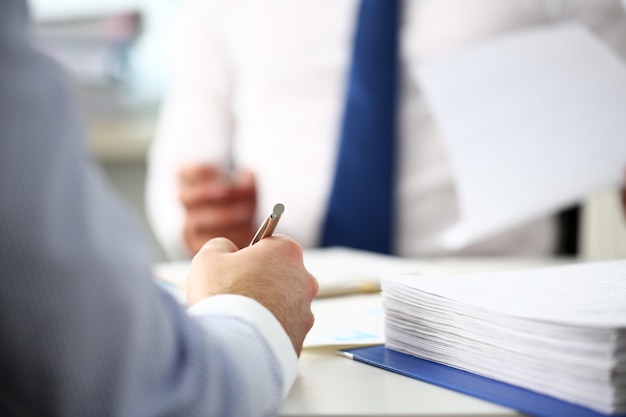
(507, 395)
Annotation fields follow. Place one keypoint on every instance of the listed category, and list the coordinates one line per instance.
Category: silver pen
(268, 226)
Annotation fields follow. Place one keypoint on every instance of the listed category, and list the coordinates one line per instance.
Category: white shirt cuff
(260, 317)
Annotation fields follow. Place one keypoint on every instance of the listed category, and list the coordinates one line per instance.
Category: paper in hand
(533, 122)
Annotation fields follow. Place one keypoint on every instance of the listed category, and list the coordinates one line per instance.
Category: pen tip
(278, 209)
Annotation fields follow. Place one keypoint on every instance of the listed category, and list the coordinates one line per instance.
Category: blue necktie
(360, 208)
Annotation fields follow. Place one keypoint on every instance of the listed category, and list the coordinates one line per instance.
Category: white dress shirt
(265, 80)
(217, 313)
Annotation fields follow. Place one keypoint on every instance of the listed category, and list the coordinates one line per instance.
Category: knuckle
(310, 320)
(314, 286)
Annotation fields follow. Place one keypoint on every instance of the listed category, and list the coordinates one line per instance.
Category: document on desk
(533, 122)
(348, 321)
(348, 310)
(339, 271)
(559, 331)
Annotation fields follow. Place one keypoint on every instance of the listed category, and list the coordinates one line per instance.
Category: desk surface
(331, 385)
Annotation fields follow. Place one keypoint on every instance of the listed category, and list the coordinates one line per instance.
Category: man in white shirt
(261, 85)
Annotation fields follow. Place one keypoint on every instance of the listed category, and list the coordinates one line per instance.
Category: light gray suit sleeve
(83, 329)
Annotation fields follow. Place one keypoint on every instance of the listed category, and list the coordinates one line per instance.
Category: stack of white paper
(560, 331)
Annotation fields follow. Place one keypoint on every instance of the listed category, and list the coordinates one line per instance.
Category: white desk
(331, 385)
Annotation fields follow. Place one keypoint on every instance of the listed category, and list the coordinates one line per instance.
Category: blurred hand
(271, 272)
(216, 206)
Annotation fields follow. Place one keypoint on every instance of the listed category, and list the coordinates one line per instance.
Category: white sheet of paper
(355, 320)
(583, 294)
(532, 122)
(341, 271)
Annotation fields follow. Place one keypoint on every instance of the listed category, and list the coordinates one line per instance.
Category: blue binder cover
(507, 395)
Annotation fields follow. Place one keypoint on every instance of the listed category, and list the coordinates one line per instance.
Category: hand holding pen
(272, 273)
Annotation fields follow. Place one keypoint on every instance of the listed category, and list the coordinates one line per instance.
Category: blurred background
(117, 53)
